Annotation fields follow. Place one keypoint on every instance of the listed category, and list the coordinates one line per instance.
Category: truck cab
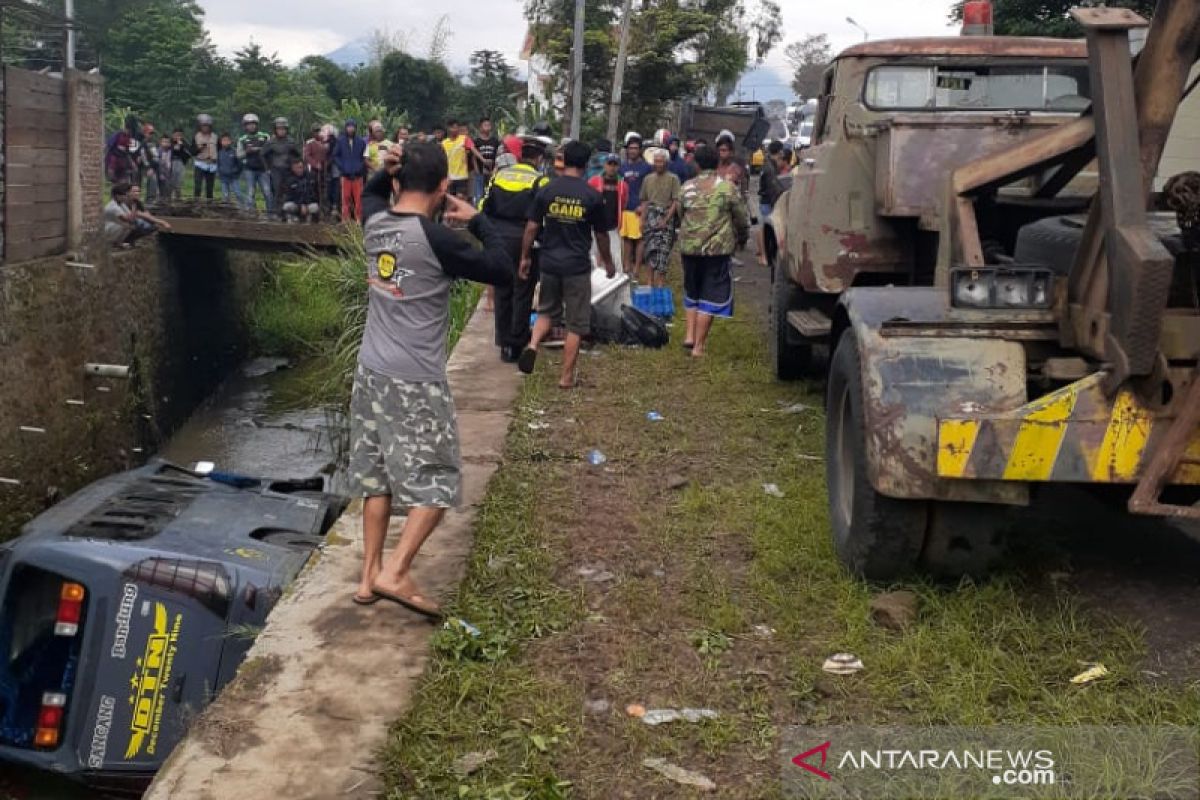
(893, 120)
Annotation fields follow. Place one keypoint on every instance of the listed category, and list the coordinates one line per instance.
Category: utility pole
(69, 13)
(614, 107)
(577, 72)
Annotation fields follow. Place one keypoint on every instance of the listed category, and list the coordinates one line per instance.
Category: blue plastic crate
(657, 301)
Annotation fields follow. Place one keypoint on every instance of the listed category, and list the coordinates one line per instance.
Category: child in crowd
(229, 170)
(301, 196)
(162, 173)
(180, 156)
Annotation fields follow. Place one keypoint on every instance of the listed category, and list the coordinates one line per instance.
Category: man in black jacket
(278, 154)
(301, 195)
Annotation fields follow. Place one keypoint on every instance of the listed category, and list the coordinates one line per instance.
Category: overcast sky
(295, 29)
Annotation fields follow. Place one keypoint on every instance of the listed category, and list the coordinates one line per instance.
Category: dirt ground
(670, 577)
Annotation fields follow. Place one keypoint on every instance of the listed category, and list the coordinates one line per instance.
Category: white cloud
(291, 44)
(295, 29)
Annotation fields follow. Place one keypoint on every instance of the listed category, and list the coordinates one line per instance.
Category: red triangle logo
(802, 761)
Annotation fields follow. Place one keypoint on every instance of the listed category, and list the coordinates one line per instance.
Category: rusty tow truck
(1007, 302)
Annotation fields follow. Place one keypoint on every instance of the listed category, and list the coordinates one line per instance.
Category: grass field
(720, 596)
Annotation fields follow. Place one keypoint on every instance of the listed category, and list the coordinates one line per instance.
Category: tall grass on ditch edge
(314, 306)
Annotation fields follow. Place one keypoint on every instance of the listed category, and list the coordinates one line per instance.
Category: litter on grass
(600, 706)
(595, 575)
(661, 716)
(596, 458)
(539, 426)
(462, 623)
(764, 631)
(678, 774)
(1093, 673)
(471, 762)
(773, 489)
(842, 664)
(795, 408)
(654, 416)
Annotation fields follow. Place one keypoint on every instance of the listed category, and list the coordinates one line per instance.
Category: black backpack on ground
(644, 329)
(631, 327)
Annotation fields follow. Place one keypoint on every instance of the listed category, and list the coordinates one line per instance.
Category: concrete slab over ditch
(309, 710)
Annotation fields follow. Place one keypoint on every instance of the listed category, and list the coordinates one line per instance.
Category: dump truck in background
(1008, 304)
(746, 121)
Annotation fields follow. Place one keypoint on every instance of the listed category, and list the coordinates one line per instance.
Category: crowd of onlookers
(321, 178)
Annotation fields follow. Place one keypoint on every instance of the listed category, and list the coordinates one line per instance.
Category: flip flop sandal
(411, 603)
(688, 345)
(359, 600)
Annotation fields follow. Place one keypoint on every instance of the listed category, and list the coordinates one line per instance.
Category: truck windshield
(1061, 89)
(39, 654)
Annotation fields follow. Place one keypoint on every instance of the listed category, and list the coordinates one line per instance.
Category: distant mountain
(351, 54)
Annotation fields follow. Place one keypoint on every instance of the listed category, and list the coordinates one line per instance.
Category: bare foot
(364, 595)
(697, 352)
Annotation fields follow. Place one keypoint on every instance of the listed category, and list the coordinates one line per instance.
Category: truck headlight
(1001, 288)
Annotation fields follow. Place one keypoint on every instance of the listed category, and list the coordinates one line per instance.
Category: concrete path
(309, 710)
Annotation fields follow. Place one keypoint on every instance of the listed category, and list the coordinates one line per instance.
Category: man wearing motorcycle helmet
(250, 151)
(279, 153)
(204, 160)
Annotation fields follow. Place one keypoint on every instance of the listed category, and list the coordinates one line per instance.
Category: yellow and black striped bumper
(1074, 435)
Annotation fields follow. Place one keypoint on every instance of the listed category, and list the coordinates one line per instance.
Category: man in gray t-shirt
(402, 421)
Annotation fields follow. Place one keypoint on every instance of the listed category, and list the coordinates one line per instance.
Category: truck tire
(1050, 243)
(876, 537)
(789, 361)
(964, 539)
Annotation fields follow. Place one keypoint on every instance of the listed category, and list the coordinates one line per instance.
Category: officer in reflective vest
(506, 202)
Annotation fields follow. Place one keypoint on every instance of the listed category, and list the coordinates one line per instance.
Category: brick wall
(88, 98)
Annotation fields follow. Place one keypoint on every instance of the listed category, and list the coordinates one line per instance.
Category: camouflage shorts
(404, 441)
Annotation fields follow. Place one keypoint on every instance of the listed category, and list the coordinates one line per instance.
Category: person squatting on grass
(404, 435)
(568, 214)
(715, 225)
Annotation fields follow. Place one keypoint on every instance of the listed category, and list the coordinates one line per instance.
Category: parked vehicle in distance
(130, 604)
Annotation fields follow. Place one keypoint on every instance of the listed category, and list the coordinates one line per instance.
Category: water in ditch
(260, 422)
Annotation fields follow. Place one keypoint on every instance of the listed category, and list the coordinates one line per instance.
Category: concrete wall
(177, 317)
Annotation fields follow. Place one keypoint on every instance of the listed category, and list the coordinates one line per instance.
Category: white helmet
(661, 137)
(281, 122)
(248, 118)
(633, 136)
(725, 134)
(203, 119)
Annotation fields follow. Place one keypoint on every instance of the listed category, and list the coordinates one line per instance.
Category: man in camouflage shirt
(715, 226)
